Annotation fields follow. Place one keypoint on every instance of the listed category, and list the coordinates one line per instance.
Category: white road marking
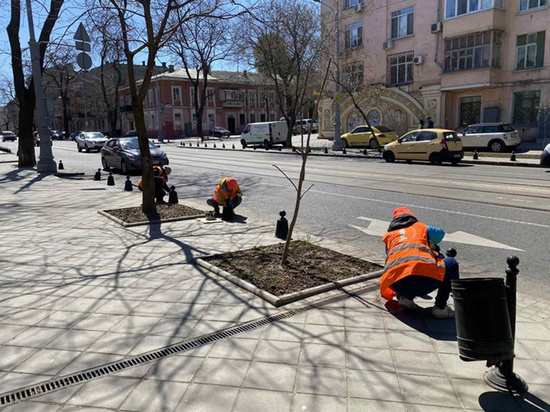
(379, 228)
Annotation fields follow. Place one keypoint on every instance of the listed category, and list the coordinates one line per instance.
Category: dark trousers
(413, 286)
(211, 202)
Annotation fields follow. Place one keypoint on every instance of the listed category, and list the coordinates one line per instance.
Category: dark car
(131, 133)
(545, 156)
(219, 131)
(123, 153)
(74, 134)
(8, 135)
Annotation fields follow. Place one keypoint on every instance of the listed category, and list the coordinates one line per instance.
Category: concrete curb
(151, 222)
(278, 301)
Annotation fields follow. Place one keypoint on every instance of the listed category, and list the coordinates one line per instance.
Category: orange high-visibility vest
(409, 254)
(160, 172)
(221, 196)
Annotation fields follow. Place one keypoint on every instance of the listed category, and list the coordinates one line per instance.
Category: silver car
(123, 153)
(90, 141)
(497, 137)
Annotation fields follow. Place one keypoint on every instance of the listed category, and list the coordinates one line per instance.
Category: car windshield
(508, 128)
(133, 144)
(383, 129)
(93, 135)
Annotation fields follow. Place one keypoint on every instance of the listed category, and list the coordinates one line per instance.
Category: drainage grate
(55, 384)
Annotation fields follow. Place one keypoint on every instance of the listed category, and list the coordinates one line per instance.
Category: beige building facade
(456, 61)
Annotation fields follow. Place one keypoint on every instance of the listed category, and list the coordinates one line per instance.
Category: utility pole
(45, 163)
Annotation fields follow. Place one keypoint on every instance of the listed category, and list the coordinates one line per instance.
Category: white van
(265, 133)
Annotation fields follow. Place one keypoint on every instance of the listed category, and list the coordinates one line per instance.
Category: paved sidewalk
(79, 291)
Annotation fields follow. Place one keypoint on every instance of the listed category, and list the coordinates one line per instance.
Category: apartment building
(457, 61)
(233, 99)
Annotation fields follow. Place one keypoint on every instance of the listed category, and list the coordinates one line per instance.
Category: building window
(402, 23)
(470, 110)
(475, 51)
(354, 35)
(530, 50)
(271, 97)
(454, 8)
(400, 67)
(177, 121)
(525, 108)
(232, 95)
(176, 94)
(531, 4)
(242, 120)
(210, 95)
(150, 98)
(252, 98)
(352, 3)
(353, 76)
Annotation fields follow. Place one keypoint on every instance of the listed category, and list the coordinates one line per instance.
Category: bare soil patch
(164, 212)
(308, 266)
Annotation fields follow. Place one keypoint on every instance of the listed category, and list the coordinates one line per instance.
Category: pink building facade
(233, 100)
(456, 61)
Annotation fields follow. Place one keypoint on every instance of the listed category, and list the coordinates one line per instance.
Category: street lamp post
(45, 163)
(337, 145)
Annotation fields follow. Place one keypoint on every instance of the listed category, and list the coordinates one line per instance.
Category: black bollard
(281, 230)
(128, 185)
(173, 196)
(280, 148)
(502, 377)
(110, 179)
(365, 152)
(233, 146)
(223, 145)
(326, 150)
(344, 151)
(61, 167)
(512, 157)
(293, 149)
(475, 155)
(97, 175)
(255, 147)
(214, 145)
(206, 145)
(197, 143)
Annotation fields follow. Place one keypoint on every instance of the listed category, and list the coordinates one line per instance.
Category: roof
(217, 76)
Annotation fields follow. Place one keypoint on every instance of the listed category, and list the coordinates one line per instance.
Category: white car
(495, 136)
(90, 141)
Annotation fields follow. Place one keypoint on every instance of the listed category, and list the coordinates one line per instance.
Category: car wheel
(389, 156)
(345, 143)
(454, 162)
(267, 145)
(104, 164)
(243, 144)
(496, 146)
(87, 149)
(79, 148)
(435, 158)
(123, 167)
(373, 144)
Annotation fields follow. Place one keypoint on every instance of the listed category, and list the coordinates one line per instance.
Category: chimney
(164, 65)
(171, 68)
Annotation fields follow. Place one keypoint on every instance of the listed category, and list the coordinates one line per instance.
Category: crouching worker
(160, 175)
(413, 268)
(226, 193)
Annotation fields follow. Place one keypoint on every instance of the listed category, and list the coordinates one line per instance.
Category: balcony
(491, 19)
(471, 79)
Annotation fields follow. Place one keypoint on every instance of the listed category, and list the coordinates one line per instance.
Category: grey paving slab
(32, 407)
(28, 317)
(321, 381)
(208, 398)
(234, 348)
(152, 342)
(10, 331)
(15, 380)
(173, 327)
(154, 396)
(115, 343)
(47, 361)
(373, 359)
(12, 356)
(108, 392)
(410, 340)
(307, 402)
(88, 360)
(271, 376)
(370, 338)
(62, 319)
(175, 368)
(324, 334)
(276, 351)
(36, 337)
(428, 390)
(374, 385)
(323, 355)
(371, 405)
(134, 323)
(218, 371)
(428, 363)
(286, 331)
(98, 322)
(252, 400)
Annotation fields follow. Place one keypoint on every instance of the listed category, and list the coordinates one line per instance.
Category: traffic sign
(80, 45)
(84, 61)
(81, 34)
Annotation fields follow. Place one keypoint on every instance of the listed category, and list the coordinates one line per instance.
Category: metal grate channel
(55, 384)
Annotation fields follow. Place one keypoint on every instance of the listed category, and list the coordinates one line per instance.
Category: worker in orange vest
(160, 175)
(413, 268)
(226, 193)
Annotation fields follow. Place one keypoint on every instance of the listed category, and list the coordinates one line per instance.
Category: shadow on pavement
(503, 402)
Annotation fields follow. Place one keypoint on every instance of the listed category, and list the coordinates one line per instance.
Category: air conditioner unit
(359, 7)
(417, 60)
(388, 44)
(437, 27)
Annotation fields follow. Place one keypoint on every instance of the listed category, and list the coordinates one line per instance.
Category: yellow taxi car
(434, 145)
(362, 136)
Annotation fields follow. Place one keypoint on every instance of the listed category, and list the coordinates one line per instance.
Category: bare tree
(285, 45)
(199, 44)
(25, 90)
(146, 27)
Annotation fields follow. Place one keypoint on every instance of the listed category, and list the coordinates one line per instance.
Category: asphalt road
(488, 212)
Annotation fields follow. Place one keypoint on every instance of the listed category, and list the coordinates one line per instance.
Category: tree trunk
(25, 152)
(148, 205)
